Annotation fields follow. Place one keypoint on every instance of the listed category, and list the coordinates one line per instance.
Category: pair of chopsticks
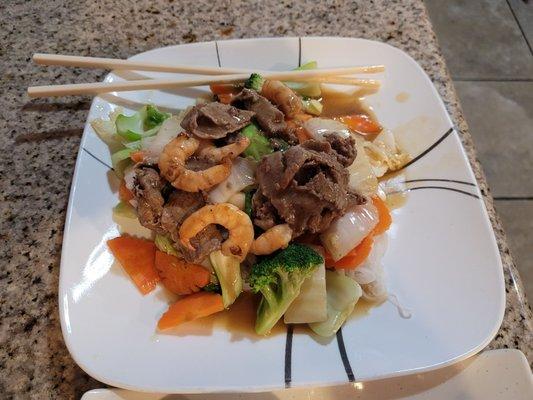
(206, 76)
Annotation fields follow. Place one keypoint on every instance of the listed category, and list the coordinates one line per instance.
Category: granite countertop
(39, 142)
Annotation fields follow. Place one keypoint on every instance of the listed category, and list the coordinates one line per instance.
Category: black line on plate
(437, 187)
(344, 356)
(514, 198)
(418, 157)
(96, 158)
(299, 52)
(440, 180)
(520, 27)
(218, 54)
(288, 356)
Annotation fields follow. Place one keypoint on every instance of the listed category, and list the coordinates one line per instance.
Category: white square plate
(442, 261)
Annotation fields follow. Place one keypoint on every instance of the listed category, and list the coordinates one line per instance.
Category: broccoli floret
(255, 82)
(212, 287)
(279, 279)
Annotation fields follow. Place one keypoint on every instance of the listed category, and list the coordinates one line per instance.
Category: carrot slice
(124, 193)
(355, 257)
(385, 219)
(189, 308)
(179, 276)
(361, 123)
(137, 156)
(225, 98)
(137, 257)
(224, 88)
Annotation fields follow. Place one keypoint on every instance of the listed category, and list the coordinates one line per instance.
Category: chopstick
(111, 63)
(102, 87)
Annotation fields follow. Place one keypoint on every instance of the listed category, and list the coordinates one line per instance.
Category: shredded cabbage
(362, 177)
(342, 295)
(228, 271)
(164, 244)
(311, 303)
(143, 123)
(383, 153)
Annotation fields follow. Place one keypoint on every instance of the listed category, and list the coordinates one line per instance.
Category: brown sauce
(336, 104)
(239, 320)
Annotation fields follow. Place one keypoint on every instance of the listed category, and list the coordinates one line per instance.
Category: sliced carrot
(179, 276)
(385, 219)
(355, 257)
(137, 156)
(124, 193)
(225, 98)
(189, 308)
(222, 88)
(361, 123)
(137, 257)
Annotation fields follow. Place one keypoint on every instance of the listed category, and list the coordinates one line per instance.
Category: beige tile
(480, 39)
(523, 10)
(500, 117)
(517, 218)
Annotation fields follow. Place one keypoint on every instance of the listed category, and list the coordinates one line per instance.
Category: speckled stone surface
(39, 141)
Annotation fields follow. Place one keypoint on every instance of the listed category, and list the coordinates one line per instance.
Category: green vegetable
(125, 210)
(121, 160)
(248, 202)
(164, 244)
(143, 123)
(313, 107)
(279, 279)
(254, 82)
(307, 65)
(259, 145)
(308, 89)
(279, 144)
(125, 216)
(212, 287)
(228, 271)
(154, 117)
(311, 303)
(342, 294)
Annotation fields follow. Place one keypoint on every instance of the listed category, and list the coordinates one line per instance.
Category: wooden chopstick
(102, 87)
(111, 63)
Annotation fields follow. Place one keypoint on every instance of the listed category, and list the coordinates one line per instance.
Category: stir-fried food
(262, 189)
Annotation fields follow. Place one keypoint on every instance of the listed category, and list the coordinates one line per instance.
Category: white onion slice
(349, 230)
(319, 127)
(242, 175)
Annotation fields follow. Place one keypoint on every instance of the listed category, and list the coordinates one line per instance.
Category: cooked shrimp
(172, 166)
(237, 222)
(283, 97)
(277, 237)
(209, 152)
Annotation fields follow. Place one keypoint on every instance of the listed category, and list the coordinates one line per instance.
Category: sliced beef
(264, 213)
(305, 186)
(166, 218)
(270, 119)
(344, 147)
(205, 242)
(148, 186)
(215, 120)
(179, 206)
